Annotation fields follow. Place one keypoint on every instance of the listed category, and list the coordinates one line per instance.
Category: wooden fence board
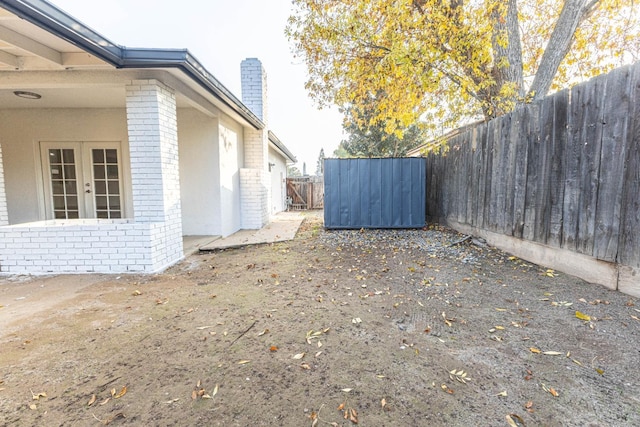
(483, 175)
(613, 152)
(589, 118)
(520, 126)
(533, 169)
(557, 159)
(629, 247)
(573, 182)
(564, 171)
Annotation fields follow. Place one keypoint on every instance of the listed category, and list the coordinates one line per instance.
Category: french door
(82, 179)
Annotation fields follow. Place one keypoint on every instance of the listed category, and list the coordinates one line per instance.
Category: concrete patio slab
(283, 227)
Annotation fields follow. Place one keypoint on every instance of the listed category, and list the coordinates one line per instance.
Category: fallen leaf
(501, 309)
(514, 420)
(92, 400)
(341, 406)
(266, 331)
(37, 396)
(528, 405)
(552, 353)
(113, 392)
(502, 393)
(33, 406)
(353, 416)
(298, 356)
(200, 328)
(136, 293)
(121, 393)
(305, 366)
(194, 395)
(535, 350)
(105, 401)
(114, 417)
(215, 390)
(347, 390)
(383, 402)
(600, 371)
(243, 362)
(273, 348)
(356, 320)
(553, 392)
(583, 316)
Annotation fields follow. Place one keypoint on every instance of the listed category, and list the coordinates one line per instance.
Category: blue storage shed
(375, 193)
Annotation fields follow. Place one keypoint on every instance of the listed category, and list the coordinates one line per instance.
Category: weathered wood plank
(612, 164)
(533, 171)
(482, 180)
(573, 183)
(629, 247)
(543, 194)
(557, 166)
(493, 162)
(509, 136)
(589, 119)
(519, 140)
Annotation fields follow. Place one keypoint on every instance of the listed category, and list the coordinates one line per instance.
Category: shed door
(82, 180)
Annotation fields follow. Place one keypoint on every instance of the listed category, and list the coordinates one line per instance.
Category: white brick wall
(254, 87)
(149, 242)
(78, 246)
(254, 193)
(155, 173)
(4, 215)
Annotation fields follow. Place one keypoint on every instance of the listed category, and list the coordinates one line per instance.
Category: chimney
(254, 87)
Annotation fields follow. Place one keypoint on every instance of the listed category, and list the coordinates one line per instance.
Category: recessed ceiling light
(27, 95)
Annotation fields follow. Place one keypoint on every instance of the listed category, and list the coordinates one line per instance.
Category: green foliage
(443, 63)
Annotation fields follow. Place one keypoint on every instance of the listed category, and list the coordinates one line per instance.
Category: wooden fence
(305, 192)
(563, 172)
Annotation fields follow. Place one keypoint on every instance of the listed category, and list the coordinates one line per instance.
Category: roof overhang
(277, 145)
(58, 42)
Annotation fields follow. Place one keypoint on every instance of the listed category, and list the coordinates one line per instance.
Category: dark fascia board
(276, 141)
(48, 17)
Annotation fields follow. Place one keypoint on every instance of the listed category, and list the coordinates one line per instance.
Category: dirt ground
(382, 328)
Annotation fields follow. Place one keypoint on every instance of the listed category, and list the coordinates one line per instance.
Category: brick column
(4, 214)
(153, 145)
(255, 182)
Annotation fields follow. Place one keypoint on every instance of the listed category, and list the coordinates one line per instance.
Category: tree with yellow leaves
(445, 61)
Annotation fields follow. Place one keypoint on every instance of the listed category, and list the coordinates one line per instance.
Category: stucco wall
(20, 134)
(231, 151)
(199, 177)
(278, 182)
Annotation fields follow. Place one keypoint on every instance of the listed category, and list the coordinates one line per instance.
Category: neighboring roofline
(280, 146)
(50, 18)
(418, 151)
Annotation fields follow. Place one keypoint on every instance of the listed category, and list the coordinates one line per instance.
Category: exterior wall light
(27, 95)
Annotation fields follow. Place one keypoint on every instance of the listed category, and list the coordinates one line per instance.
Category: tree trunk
(572, 14)
(511, 71)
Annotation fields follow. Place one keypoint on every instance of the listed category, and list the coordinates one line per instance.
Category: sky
(220, 34)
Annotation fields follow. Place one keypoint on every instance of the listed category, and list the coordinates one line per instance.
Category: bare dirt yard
(375, 328)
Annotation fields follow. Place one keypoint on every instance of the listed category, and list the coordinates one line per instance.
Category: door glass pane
(98, 156)
(98, 171)
(64, 186)
(55, 156)
(111, 156)
(114, 187)
(68, 156)
(101, 203)
(106, 183)
(112, 171)
(69, 171)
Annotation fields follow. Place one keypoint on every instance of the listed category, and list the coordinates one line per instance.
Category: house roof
(56, 22)
(275, 141)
